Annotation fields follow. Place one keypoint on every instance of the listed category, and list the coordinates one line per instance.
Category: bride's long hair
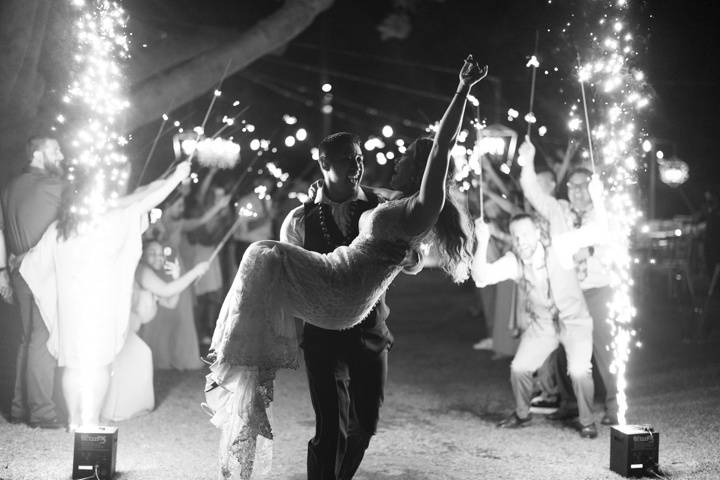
(453, 232)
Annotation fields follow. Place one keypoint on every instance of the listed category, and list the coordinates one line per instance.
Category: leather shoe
(563, 414)
(609, 419)
(513, 421)
(52, 424)
(588, 431)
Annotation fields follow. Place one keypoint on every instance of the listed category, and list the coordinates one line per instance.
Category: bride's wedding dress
(255, 333)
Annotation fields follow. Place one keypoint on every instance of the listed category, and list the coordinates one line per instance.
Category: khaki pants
(536, 344)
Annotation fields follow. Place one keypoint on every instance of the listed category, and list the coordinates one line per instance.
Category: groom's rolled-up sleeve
(293, 227)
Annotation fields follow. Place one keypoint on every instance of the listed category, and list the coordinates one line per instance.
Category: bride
(255, 333)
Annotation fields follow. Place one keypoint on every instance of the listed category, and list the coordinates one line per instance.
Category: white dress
(83, 286)
(131, 392)
(255, 333)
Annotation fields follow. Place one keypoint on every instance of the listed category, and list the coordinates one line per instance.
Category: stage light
(326, 87)
(289, 141)
(301, 134)
(387, 131)
(95, 452)
(634, 450)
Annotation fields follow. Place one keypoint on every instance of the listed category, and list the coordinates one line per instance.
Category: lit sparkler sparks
(95, 96)
(619, 96)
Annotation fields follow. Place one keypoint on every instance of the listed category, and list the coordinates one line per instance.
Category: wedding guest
(131, 390)
(208, 290)
(553, 307)
(499, 300)
(173, 336)
(592, 271)
(81, 275)
(31, 202)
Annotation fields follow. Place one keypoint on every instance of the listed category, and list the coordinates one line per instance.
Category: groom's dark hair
(334, 145)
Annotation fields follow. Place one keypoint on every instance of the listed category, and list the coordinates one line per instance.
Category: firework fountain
(608, 69)
(96, 101)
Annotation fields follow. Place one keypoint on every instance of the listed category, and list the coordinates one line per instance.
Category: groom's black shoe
(513, 421)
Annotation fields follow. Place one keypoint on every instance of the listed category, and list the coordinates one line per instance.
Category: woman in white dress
(255, 333)
(81, 276)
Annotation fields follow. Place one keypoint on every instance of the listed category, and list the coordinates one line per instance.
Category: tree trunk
(29, 57)
(185, 82)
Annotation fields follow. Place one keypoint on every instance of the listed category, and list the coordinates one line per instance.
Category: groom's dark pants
(347, 389)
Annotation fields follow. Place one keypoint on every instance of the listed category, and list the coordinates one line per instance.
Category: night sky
(409, 80)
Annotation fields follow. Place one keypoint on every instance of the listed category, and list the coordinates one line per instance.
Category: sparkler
(534, 63)
(96, 99)
(152, 148)
(243, 213)
(619, 96)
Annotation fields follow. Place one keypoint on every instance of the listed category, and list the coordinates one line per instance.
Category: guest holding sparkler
(131, 384)
(30, 203)
(592, 271)
(498, 301)
(552, 308)
(81, 274)
(209, 289)
(173, 335)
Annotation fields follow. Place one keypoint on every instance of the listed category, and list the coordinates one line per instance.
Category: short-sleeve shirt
(30, 203)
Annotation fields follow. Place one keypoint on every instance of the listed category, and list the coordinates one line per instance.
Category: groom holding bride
(346, 369)
(338, 255)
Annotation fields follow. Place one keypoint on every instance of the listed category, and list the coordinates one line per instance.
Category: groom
(346, 369)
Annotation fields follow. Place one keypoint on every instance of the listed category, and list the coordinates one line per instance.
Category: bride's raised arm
(426, 206)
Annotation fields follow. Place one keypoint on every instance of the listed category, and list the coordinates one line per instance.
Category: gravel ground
(442, 402)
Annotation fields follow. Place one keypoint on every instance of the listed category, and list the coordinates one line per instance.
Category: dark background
(406, 82)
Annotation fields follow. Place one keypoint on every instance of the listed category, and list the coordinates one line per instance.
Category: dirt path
(442, 401)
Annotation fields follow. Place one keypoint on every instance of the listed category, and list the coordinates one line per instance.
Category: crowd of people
(133, 292)
(110, 303)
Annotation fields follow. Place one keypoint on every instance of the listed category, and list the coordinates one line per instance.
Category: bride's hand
(471, 72)
(313, 190)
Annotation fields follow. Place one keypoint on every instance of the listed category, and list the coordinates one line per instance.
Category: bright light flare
(617, 141)
(97, 101)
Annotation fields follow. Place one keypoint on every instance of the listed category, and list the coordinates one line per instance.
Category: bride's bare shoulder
(386, 194)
